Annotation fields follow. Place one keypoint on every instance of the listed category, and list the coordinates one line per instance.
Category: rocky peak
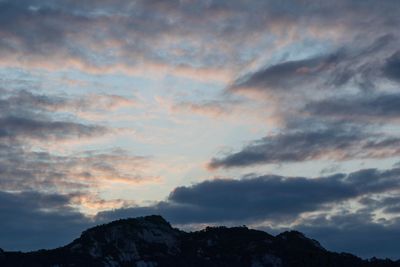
(295, 238)
(127, 240)
(134, 224)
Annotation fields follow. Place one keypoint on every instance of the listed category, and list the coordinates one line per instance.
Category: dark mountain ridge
(151, 241)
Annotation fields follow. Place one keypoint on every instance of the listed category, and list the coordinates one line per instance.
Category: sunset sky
(273, 114)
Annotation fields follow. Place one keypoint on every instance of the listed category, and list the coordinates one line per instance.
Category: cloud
(312, 141)
(26, 119)
(125, 35)
(19, 127)
(264, 198)
(352, 64)
(381, 107)
(224, 107)
(35, 31)
(33, 125)
(211, 108)
(287, 75)
(32, 220)
(389, 204)
(27, 101)
(41, 191)
(84, 172)
(392, 67)
(355, 232)
(29, 115)
(333, 95)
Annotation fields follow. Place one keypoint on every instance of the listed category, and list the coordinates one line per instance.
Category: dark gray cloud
(392, 67)
(26, 115)
(273, 198)
(32, 220)
(312, 141)
(389, 204)
(358, 107)
(13, 101)
(348, 65)
(20, 127)
(287, 75)
(355, 232)
(27, 103)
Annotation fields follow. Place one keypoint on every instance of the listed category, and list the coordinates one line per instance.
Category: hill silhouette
(151, 241)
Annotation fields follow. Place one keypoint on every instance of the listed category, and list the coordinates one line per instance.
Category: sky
(274, 114)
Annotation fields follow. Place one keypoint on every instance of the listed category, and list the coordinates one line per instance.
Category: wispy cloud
(338, 141)
(32, 123)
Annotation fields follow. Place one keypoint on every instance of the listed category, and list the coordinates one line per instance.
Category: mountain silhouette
(151, 242)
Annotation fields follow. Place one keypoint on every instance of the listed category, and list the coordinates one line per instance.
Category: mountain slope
(151, 241)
